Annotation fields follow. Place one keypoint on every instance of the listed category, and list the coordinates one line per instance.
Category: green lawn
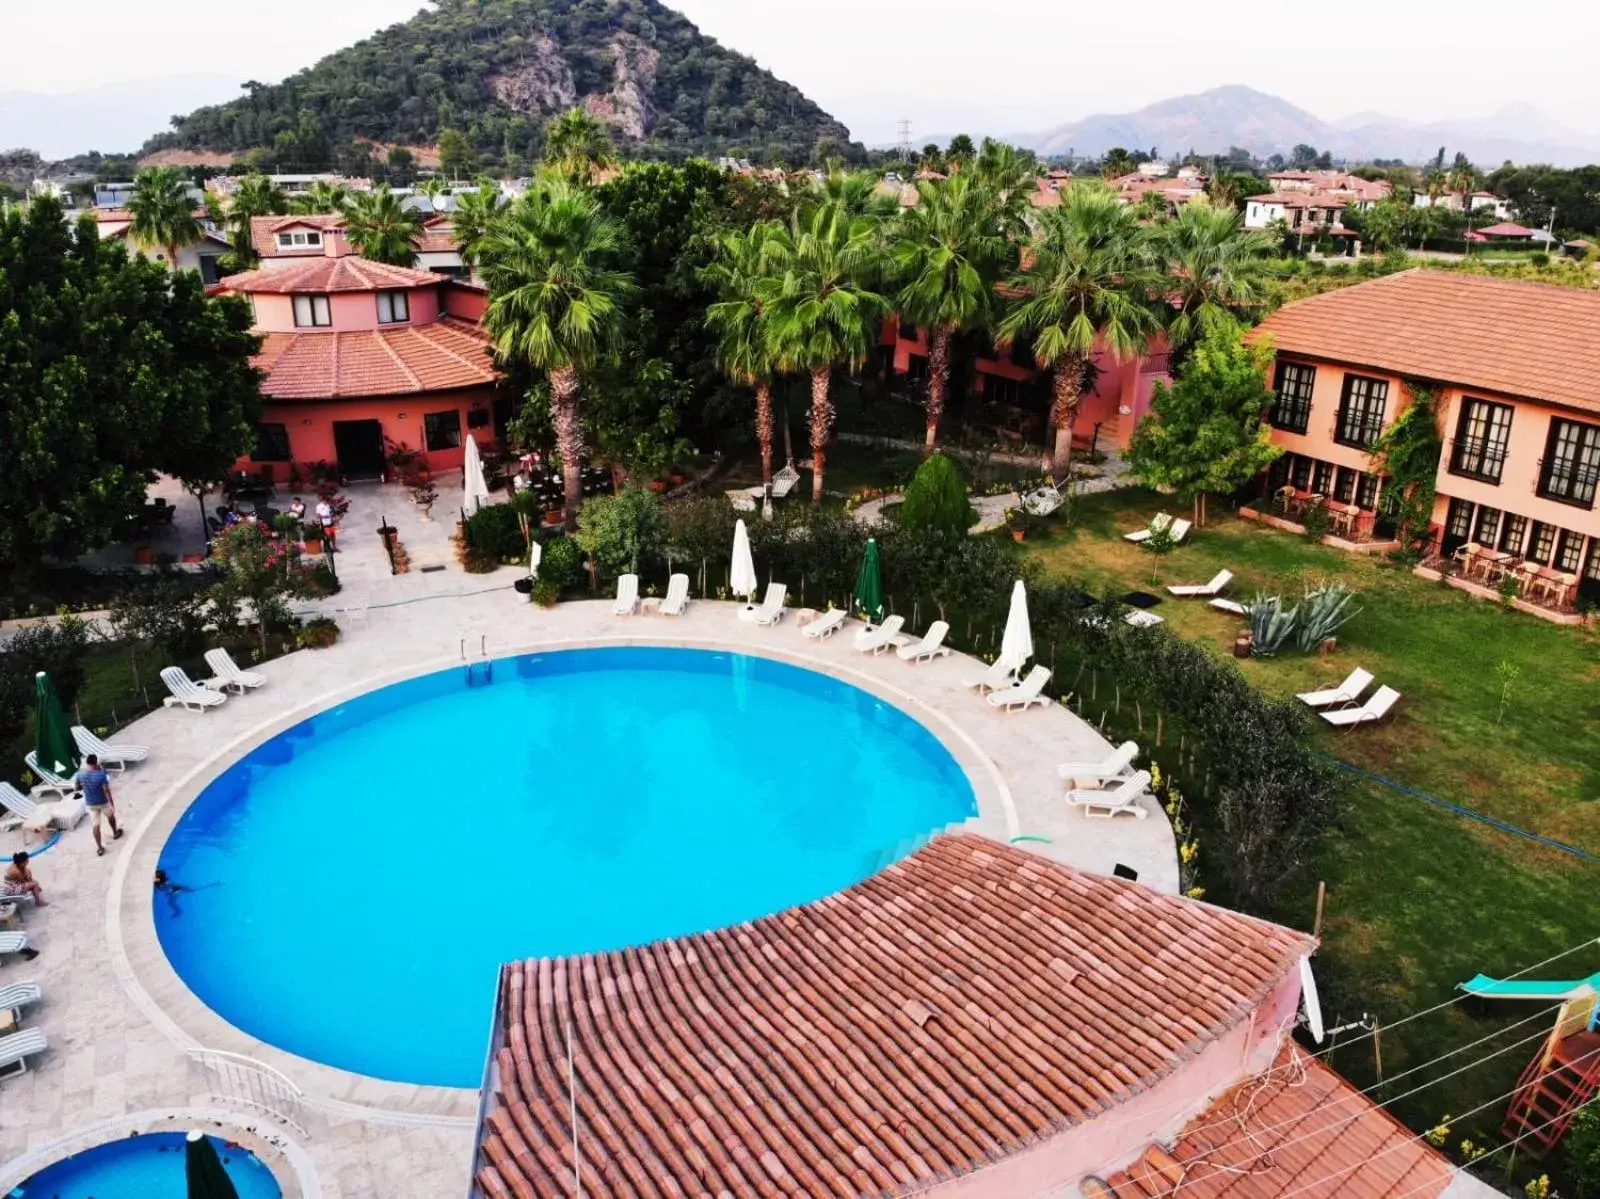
(1419, 899)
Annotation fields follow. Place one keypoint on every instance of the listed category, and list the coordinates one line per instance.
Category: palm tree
(1011, 174)
(1217, 270)
(256, 195)
(742, 268)
(382, 228)
(556, 301)
(432, 187)
(577, 145)
(319, 198)
(948, 253)
(1089, 285)
(163, 212)
(820, 308)
(855, 193)
(475, 212)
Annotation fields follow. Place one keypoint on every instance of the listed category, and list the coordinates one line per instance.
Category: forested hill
(496, 70)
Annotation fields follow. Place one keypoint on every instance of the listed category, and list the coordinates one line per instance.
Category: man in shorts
(96, 787)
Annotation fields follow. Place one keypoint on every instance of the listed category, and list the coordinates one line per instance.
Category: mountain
(496, 70)
(114, 117)
(1213, 121)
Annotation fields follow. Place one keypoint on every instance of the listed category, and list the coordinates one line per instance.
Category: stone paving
(119, 1021)
(992, 509)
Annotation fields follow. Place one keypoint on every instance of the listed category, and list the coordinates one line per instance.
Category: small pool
(149, 1166)
(358, 880)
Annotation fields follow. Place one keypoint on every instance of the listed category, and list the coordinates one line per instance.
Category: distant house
(357, 354)
(1478, 201)
(1351, 191)
(117, 225)
(284, 240)
(1509, 231)
(1307, 212)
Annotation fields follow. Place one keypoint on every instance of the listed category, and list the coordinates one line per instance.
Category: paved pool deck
(119, 1021)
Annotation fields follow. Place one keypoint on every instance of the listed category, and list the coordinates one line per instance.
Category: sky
(945, 65)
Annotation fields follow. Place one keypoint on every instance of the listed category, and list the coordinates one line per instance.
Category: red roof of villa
(1298, 1130)
(322, 275)
(443, 356)
(945, 1013)
(1536, 340)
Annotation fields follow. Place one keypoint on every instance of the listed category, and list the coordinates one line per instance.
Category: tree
(1408, 453)
(556, 301)
(1217, 271)
(1116, 163)
(623, 532)
(1010, 174)
(456, 158)
(1089, 285)
(1206, 432)
(400, 159)
(948, 252)
(960, 149)
(257, 576)
(741, 270)
(474, 215)
(163, 212)
(321, 198)
(821, 308)
(577, 145)
(1303, 157)
(936, 501)
(381, 228)
(255, 196)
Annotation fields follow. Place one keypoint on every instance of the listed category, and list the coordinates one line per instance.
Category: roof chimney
(335, 244)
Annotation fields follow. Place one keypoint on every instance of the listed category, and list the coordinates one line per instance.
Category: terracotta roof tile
(1299, 1129)
(445, 355)
(321, 275)
(945, 1013)
(1534, 340)
(264, 231)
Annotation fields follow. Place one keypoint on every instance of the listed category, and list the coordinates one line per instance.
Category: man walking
(96, 787)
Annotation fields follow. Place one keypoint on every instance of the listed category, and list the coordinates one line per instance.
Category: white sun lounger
(677, 597)
(1115, 766)
(875, 640)
(17, 1048)
(228, 675)
(1124, 798)
(63, 813)
(1180, 530)
(13, 942)
(1161, 521)
(931, 646)
(1347, 692)
(826, 625)
(1205, 590)
(1374, 710)
(771, 610)
(186, 693)
(16, 996)
(1025, 694)
(111, 755)
(1227, 605)
(50, 783)
(627, 596)
(1000, 675)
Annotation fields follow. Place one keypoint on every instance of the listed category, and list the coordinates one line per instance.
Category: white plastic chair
(1025, 694)
(771, 610)
(677, 597)
(111, 754)
(875, 641)
(1219, 581)
(1114, 766)
(627, 596)
(826, 625)
(1347, 692)
(931, 646)
(1124, 798)
(228, 675)
(186, 693)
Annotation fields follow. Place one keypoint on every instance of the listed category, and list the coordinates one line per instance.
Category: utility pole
(1550, 230)
(903, 128)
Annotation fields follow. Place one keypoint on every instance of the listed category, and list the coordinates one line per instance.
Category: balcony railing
(1568, 483)
(1478, 458)
(1362, 432)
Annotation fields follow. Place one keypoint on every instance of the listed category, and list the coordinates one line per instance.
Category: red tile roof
(949, 1011)
(1298, 1130)
(264, 231)
(322, 275)
(1301, 199)
(1534, 340)
(445, 355)
(1506, 229)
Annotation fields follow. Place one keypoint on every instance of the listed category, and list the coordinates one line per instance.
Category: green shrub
(623, 533)
(496, 532)
(1317, 521)
(937, 499)
(317, 634)
(562, 564)
(546, 593)
(58, 650)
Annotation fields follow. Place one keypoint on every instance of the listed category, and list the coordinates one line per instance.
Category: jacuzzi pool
(149, 1166)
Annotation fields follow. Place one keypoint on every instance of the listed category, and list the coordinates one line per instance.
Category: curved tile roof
(405, 360)
(955, 1008)
(322, 275)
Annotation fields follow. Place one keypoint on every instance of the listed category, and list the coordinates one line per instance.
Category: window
(1300, 473)
(1361, 411)
(300, 239)
(394, 307)
(1571, 463)
(1488, 525)
(909, 333)
(1344, 485)
(1292, 411)
(1543, 543)
(1481, 440)
(312, 312)
(1569, 552)
(1322, 478)
(272, 444)
(1457, 526)
(1367, 492)
(442, 430)
(1513, 533)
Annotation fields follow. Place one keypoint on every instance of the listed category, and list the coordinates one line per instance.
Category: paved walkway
(119, 1021)
(992, 509)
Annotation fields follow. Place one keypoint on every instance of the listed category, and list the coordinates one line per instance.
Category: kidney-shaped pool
(350, 888)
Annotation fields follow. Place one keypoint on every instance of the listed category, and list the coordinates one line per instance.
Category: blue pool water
(359, 879)
(142, 1167)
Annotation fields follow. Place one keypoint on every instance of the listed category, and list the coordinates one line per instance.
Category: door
(1589, 584)
(359, 445)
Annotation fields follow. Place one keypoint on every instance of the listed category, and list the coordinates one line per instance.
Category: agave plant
(1271, 625)
(1324, 610)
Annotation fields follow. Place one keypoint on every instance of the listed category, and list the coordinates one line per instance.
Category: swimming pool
(359, 879)
(143, 1167)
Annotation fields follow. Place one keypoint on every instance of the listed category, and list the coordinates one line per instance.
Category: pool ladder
(480, 672)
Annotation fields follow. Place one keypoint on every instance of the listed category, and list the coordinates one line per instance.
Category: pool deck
(119, 1021)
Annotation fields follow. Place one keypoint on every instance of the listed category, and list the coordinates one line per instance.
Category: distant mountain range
(1212, 122)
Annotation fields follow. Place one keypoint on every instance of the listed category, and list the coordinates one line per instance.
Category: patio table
(1496, 563)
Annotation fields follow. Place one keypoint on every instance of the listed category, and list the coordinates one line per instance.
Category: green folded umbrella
(202, 1170)
(52, 745)
(869, 584)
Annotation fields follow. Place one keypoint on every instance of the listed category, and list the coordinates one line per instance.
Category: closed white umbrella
(475, 490)
(1016, 647)
(743, 579)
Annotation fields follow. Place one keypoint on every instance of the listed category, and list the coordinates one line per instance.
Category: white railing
(245, 1082)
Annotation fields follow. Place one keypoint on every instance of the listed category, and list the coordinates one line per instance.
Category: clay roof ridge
(448, 352)
(383, 340)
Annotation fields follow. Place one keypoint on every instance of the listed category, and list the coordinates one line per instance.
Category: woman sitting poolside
(19, 881)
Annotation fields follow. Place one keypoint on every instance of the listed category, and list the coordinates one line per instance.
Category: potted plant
(1017, 521)
(423, 495)
(312, 539)
(524, 587)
